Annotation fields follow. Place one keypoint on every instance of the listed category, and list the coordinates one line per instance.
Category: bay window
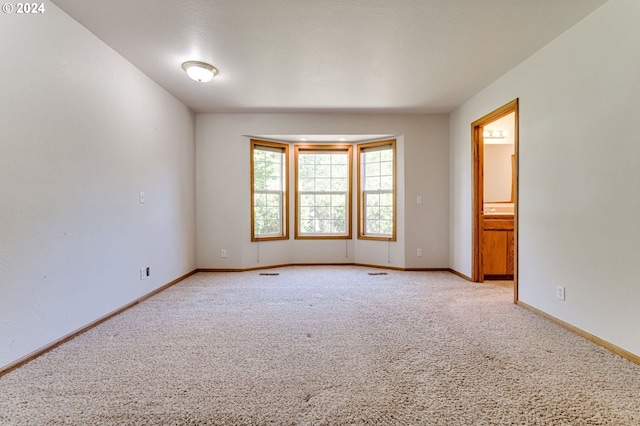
(269, 197)
(376, 191)
(323, 191)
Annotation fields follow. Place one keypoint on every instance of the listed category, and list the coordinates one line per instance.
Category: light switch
(141, 197)
(419, 199)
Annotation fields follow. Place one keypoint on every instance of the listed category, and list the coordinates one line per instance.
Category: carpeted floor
(325, 346)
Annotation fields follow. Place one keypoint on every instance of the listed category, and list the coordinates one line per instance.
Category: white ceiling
(404, 56)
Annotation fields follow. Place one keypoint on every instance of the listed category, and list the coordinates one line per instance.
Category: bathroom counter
(498, 215)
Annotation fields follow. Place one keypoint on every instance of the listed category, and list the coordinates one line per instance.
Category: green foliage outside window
(269, 183)
(323, 191)
(377, 180)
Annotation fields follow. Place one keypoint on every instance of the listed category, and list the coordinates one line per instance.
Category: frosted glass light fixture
(495, 133)
(200, 71)
(496, 137)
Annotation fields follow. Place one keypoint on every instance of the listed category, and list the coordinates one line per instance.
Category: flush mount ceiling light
(200, 71)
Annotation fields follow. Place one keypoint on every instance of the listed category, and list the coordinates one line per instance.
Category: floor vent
(377, 273)
(269, 273)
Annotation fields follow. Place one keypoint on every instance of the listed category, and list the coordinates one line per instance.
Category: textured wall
(81, 133)
(223, 191)
(579, 156)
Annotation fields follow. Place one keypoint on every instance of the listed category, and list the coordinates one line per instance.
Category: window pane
(273, 183)
(377, 186)
(307, 213)
(372, 227)
(386, 182)
(323, 171)
(372, 156)
(267, 213)
(259, 178)
(323, 184)
(371, 199)
(338, 200)
(386, 168)
(260, 212)
(306, 170)
(323, 179)
(386, 199)
(272, 226)
(306, 159)
(323, 200)
(323, 213)
(371, 184)
(306, 226)
(386, 226)
(386, 213)
(307, 185)
(340, 184)
(307, 200)
(386, 155)
(340, 170)
(372, 169)
(272, 212)
(273, 157)
(340, 159)
(324, 159)
(273, 200)
(259, 199)
(373, 213)
(269, 189)
(338, 226)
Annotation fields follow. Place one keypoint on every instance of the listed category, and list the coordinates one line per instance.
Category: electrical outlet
(223, 253)
(419, 252)
(560, 292)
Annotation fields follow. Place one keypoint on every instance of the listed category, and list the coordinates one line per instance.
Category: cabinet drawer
(498, 224)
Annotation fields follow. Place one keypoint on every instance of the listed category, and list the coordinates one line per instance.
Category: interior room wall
(579, 156)
(223, 191)
(83, 132)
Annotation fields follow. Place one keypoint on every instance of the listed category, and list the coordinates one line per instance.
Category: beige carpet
(325, 346)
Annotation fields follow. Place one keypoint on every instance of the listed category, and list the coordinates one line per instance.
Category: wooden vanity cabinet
(497, 247)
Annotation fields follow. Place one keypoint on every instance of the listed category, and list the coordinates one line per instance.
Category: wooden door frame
(478, 190)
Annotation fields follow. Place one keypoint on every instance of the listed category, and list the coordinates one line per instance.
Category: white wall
(223, 191)
(81, 133)
(579, 174)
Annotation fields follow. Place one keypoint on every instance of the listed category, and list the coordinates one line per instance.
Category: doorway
(495, 219)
